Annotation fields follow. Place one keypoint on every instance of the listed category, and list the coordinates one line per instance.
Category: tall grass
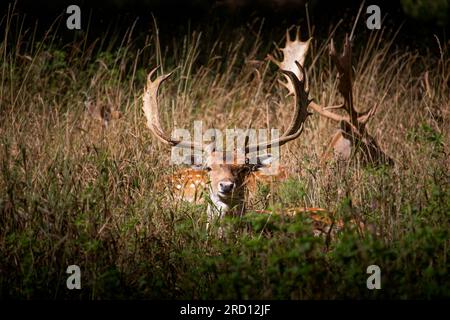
(74, 192)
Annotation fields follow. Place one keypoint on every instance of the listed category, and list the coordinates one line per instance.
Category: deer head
(227, 179)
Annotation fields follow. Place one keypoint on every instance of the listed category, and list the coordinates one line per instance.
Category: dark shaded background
(419, 20)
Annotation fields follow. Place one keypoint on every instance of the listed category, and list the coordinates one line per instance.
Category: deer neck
(220, 207)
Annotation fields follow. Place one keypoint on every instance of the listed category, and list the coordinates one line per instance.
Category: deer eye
(208, 169)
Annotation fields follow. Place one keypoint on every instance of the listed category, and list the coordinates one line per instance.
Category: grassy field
(74, 192)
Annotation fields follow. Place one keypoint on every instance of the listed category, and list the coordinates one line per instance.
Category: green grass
(74, 193)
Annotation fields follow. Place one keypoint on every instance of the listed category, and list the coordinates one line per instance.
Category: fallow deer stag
(227, 180)
(352, 134)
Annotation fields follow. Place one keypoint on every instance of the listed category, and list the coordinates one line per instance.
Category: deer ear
(260, 161)
(264, 161)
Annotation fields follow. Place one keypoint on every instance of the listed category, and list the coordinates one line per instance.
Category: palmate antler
(352, 132)
(294, 52)
(343, 63)
(151, 111)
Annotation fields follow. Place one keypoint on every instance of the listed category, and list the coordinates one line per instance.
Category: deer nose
(226, 186)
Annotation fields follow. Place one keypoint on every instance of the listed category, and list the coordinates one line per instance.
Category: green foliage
(436, 10)
(292, 192)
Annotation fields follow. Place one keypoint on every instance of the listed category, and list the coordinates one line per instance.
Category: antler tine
(151, 110)
(328, 114)
(270, 57)
(339, 106)
(366, 116)
(343, 63)
(297, 34)
(300, 114)
(288, 86)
